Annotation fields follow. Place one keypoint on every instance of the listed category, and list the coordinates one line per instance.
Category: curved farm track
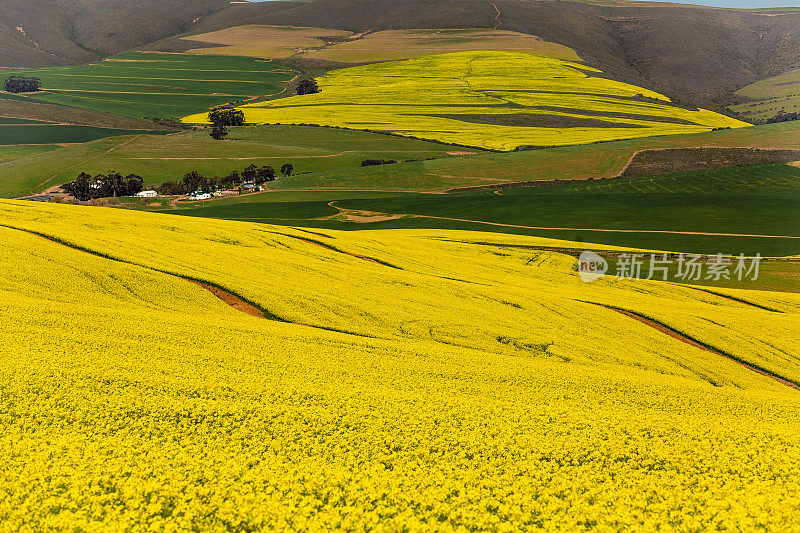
(675, 334)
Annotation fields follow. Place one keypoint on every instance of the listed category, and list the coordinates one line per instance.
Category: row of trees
(783, 116)
(110, 185)
(21, 84)
(196, 182)
(374, 162)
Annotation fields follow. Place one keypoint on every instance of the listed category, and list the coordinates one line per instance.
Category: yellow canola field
(416, 379)
(472, 99)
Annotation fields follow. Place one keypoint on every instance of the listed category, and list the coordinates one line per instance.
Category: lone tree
(287, 169)
(307, 87)
(226, 117)
(21, 84)
(219, 131)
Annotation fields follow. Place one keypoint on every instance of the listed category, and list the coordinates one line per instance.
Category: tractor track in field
(682, 337)
(497, 18)
(732, 298)
(229, 297)
(337, 250)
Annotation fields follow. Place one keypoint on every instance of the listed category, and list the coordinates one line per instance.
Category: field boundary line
(604, 230)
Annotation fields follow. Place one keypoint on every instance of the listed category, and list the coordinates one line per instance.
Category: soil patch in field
(657, 162)
(531, 120)
(232, 300)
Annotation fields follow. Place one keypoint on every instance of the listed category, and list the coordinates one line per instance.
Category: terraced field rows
(496, 100)
(138, 84)
(771, 96)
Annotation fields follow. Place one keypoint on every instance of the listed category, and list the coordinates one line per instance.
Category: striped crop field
(490, 99)
(771, 97)
(145, 84)
(160, 371)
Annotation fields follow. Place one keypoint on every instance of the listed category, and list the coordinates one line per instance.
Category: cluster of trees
(21, 84)
(196, 182)
(372, 162)
(113, 184)
(307, 87)
(221, 118)
(783, 116)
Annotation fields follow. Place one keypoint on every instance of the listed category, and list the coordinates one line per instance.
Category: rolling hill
(771, 97)
(57, 32)
(700, 55)
(487, 99)
(425, 380)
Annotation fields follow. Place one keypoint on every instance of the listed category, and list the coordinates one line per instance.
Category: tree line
(783, 116)
(113, 184)
(195, 182)
(110, 185)
(21, 84)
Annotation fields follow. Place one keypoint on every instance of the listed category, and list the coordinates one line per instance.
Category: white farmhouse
(146, 194)
(200, 196)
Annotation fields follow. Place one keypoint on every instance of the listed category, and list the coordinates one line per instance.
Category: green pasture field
(757, 200)
(11, 134)
(14, 151)
(144, 84)
(598, 160)
(159, 158)
(6, 121)
(771, 96)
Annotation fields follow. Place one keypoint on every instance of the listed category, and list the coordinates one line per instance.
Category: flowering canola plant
(403, 379)
(473, 99)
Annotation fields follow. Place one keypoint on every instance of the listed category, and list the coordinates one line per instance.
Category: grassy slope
(8, 153)
(771, 96)
(160, 85)
(54, 134)
(59, 32)
(163, 158)
(283, 42)
(262, 41)
(760, 200)
(699, 54)
(600, 160)
(427, 97)
(32, 108)
(198, 404)
(344, 172)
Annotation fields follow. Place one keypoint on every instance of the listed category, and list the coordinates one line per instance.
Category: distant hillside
(496, 100)
(35, 33)
(699, 55)
(703, 53)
